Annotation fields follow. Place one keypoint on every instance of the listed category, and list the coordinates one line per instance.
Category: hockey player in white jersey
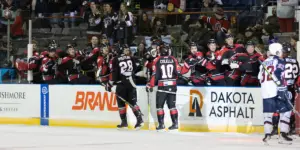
(275, 95)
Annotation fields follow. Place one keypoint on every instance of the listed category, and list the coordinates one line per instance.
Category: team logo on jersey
(196, 103)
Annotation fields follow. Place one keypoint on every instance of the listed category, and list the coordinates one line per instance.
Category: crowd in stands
(121, 22)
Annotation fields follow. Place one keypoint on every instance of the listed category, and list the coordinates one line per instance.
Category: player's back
(268, 86)
(166, 68)
(291, 71)
(122, 67)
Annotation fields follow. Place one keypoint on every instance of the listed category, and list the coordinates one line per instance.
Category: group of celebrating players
(231, 65)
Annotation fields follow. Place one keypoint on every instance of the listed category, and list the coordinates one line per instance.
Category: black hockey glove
(108, 86)
(149, 89)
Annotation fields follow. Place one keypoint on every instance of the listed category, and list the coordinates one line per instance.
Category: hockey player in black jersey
(122, 68)
(291, 73)
(165, 70)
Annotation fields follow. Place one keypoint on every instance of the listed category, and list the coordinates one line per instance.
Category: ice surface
(63, 138)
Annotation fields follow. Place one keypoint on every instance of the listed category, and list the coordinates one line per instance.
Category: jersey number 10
(167, 71)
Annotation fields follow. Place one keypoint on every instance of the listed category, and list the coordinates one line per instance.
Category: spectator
(124, 25)
(250, 36)
(293, 43)
(109, 20)
(272, 20)
(159, 28)
(286, 14)
(219, 24)
(16, 28)
(56, 7)
(208, 6)
(144, 25)
(93, 17)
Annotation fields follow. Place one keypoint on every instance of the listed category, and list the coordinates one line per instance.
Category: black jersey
(291, 71)
(122, 67)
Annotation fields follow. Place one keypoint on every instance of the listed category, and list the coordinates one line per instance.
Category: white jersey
(275, 67)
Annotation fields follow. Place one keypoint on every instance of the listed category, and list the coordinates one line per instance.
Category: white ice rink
(62, 138)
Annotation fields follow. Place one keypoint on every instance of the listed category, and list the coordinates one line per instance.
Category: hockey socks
(174, 117)
(139, 120)
(160, 117)
(123, 116)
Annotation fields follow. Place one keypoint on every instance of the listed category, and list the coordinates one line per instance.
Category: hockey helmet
(164, 51)
(250, 43)
(193, 44)
(211, 41)
(275, 49)
(51, 49)
(286, 47)
(229, 36)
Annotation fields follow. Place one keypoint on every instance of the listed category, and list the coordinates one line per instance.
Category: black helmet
(286, 47)
(193, 44)
(164, 51)
(250, 43)
(51, 49)
(211, 41)
(229, 36)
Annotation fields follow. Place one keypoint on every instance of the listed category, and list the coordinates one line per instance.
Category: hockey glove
(149, 89)
(284, 94)
(225, 62)
(108, 86)
(234, 65)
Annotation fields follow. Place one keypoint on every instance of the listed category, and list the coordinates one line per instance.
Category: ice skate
(123, 126)
(284, 139)
(174, 127)
(160, 128)
(139, 124)
(267, 138)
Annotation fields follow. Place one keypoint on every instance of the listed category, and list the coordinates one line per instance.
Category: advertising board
(215, 109)
(87, 106)
(19, 104)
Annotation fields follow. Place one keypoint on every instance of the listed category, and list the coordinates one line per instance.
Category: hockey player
(122, 68)
(71, 65)
(214, 74)
(165, 72)
(48, 67)
(253, 59)
(195, 59)
(291, 74)
(103, 65)
(274, 92)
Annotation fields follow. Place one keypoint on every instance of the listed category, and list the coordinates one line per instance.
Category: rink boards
(204, 109)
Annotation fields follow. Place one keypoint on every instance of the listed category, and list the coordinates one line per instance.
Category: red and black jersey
(103, 67)
(121, 68)
(196, 63)
(249, 67)
(165, 70)
(224, 49)
(213, 67)
(71, 66)
(191, 61)
(217, 24)
(48, 68)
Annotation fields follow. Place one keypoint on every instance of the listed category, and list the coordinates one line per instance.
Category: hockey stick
(126, 102)
(269, 74)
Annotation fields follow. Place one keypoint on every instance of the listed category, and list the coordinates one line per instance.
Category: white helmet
(275, 49)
